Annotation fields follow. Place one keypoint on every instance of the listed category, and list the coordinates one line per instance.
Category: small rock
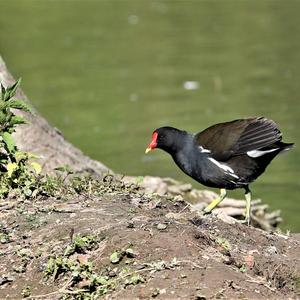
(178, 198)
(130, 224)
(155, 293)
(5, 279)
(161, 226)
(112, 273)
(200, 297)
(271, 250)
(130, 253)
(20, 269)
(230, 261)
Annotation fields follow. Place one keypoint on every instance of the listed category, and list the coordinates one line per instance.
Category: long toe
(245, 221)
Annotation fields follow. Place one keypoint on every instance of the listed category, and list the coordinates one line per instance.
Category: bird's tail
(286, 147)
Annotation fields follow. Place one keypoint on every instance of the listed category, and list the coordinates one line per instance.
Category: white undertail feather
(258, 153)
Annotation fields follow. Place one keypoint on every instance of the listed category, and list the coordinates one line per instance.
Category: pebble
(161, 226)
(271, 250)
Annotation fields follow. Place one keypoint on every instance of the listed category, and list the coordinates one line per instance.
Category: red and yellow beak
(152, 145)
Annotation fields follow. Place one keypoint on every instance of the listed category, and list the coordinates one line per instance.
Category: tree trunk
(40, 138)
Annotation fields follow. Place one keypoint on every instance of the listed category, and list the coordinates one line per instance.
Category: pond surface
(107, 73)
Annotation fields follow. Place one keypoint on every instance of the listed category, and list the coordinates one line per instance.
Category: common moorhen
(227, 156)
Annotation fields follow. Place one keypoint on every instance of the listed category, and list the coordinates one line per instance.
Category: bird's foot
(206, 211)
(245, 221)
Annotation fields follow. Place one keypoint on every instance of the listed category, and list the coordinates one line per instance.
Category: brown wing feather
(228, 139)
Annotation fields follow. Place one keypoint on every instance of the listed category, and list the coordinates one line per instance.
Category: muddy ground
(112, 241)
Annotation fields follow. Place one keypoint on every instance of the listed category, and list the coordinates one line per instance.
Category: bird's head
(165, 138)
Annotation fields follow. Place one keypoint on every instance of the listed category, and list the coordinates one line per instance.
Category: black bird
(227, 156)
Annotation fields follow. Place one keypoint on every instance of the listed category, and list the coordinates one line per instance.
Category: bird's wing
(237, 137)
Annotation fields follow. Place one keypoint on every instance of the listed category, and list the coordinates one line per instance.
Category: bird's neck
(179, 142)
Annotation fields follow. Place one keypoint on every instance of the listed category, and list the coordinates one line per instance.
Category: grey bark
(42, 139)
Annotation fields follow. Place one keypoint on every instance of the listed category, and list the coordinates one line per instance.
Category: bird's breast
(184, 162)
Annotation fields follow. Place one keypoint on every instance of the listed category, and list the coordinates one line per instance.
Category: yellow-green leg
(248, 206)
(215, 202)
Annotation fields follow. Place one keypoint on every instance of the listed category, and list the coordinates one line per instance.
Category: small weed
(50, 186)
(243, 268)
(83, 280)
(117, 256)
(5, 237)
(33, 219)
(81, 244)
(224, 243)
(26, 291)
(134, 279)
(131, 211)
(24, 252)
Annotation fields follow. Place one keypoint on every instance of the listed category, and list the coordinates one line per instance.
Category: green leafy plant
(81, 244)
(117, 256)
(74, 267)
(224, 243)
(84, 281)
(16, 169)
(26, 291)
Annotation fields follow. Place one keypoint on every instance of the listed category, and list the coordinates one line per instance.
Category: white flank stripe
(203, 150)
(258, 153)
(224, 167)
(233, 175)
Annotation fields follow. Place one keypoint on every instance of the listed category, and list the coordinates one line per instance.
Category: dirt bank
(105, 238)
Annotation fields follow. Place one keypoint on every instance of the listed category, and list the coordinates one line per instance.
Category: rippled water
(107, 73)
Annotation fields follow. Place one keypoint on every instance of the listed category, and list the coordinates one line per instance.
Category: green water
(107, 73)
